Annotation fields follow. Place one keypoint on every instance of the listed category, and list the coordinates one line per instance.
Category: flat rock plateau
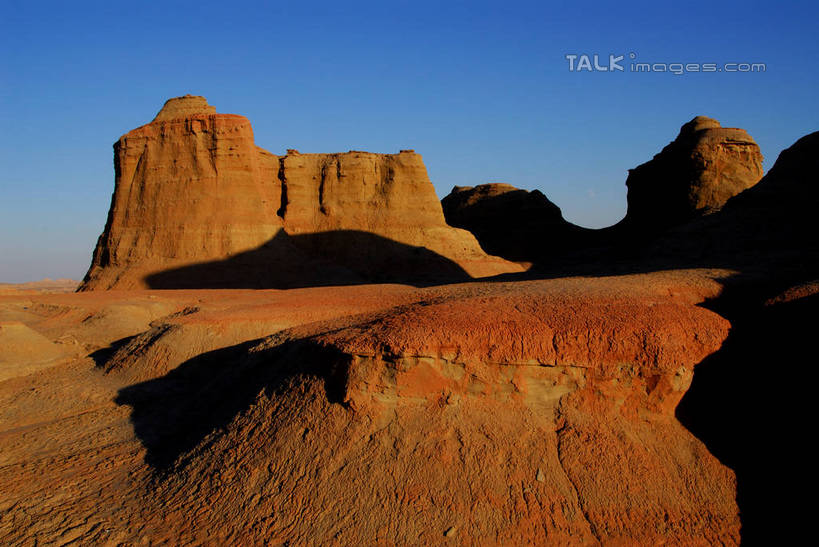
(301, 350)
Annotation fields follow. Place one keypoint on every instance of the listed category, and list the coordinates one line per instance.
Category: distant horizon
(483, 92)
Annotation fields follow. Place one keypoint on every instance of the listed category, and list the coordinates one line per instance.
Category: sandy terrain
(490, 412)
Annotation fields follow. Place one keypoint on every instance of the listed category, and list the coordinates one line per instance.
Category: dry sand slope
(491, 413)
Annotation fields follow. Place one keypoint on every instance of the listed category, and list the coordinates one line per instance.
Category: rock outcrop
(512, 223)
(331, 202)
(789, 191)
(541, 414)
(192, 188)
(530, 412)
(778, 215)
(694, 175)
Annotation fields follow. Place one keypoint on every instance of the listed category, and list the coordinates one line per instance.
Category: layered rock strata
(192, 188)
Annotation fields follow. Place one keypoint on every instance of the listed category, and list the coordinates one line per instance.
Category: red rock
(488, 409)
(527, 412)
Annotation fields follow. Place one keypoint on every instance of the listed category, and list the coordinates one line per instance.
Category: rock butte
(197, 204)
(696, 174)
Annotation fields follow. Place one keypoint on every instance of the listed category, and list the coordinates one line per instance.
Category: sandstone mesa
(192, 188)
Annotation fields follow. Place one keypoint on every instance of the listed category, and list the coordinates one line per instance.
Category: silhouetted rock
(778, 214)
(694, 175)
(790, 187)
(509, 222)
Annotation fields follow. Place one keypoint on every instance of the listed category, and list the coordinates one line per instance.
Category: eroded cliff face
(492, 413)
(387, 195)
(694, 175)
(380, 193)
(192, 188)
(591, 380)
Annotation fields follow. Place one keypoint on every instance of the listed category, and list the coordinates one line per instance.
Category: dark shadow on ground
(174, 413)
(103, 355)
(341, 257)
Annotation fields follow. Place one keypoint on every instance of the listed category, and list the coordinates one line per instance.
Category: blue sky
(481, 89)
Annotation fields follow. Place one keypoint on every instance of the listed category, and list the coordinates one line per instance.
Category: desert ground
(312, 349)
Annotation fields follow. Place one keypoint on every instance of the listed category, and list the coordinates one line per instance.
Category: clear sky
(481, 89)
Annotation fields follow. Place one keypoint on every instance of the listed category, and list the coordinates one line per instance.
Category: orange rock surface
(44, 285)
(492, 413)
(192, 188)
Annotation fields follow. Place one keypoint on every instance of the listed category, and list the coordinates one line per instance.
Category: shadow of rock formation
(749, 402)
(103, 355)
(341, 257)
(749, 408)
(174, 413)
